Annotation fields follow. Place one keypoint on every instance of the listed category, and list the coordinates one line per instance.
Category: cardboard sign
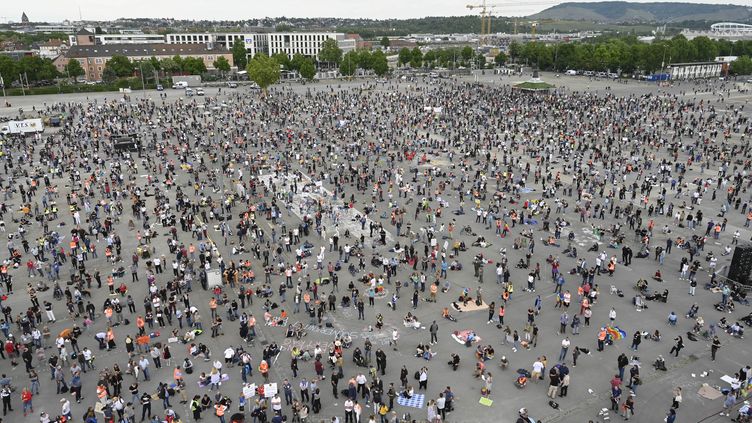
(270, 390)
(249, 390)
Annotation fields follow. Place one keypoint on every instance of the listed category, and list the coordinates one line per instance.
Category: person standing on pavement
(714, 347)
(434, 329)
(622, 361)
(564, 348)
(5, 394)
(145, 405)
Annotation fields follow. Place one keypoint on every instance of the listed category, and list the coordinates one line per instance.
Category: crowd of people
(246, 205)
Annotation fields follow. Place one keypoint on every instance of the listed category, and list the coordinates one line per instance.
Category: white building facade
(306, 43)
(254, 43)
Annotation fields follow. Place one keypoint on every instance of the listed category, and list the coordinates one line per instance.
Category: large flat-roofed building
(94, 57)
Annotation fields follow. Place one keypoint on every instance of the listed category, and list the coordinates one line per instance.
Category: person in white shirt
(349, 405)
(65, 409)
(564, 348)
(537, 370)
(277, 404)
(229, 354)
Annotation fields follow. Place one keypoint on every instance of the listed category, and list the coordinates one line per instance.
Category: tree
(429, 58)
(379, 63)
(121, 65)
(742, 66)
(222, 64)
(706, 48)
(364, 59)
(178, 63)
(480, 61)
(73, 69)
(467, 53)
(263, 70)
(330, 52)
(416, 58)
(8, 69)
(307, 69)
(239, 54)
(349, 64)
(282, 59)
(169, 65)
(194, 66)
(500, 59)
(155, 63)
(405, 56)
(515, 50)
(108, 75)
(145, 68)
(385, 41)
(297, 61)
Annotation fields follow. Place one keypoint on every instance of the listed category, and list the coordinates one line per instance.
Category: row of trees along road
(630, 55)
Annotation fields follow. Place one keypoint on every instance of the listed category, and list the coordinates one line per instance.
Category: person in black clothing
(403, 376)
(196, 407)
(145, 405)
(381, 362)
(678, 346)
(6, 394)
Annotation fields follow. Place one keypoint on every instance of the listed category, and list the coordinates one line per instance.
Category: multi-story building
(94, 57)
(254, 43)
(85, 37)
(52, 48)
(290, 43)
(306, 43)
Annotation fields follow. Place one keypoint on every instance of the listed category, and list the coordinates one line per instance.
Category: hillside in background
(621, 11)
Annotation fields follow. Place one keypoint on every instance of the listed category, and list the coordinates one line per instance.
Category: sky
(58, 10)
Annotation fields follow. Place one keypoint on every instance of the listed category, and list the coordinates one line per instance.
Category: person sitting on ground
(358, 357)
(455, 361)
(347, 341)
(408, 392)
(657, 276)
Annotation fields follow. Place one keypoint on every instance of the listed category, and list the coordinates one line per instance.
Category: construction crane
(485, 19)
(486, 10)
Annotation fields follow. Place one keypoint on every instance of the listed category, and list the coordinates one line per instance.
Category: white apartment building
(253, 42)
(306, 43)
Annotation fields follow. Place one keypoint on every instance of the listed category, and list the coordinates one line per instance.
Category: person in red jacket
(26, 399)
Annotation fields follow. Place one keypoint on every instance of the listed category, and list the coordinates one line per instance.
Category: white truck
(26, 126)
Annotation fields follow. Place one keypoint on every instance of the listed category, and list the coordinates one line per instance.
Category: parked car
(199, 91)
(180, 84)
(160, 87)
(189, 92)
(571, 72)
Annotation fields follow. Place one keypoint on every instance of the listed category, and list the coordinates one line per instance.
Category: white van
(180, 84)
(571, 72)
